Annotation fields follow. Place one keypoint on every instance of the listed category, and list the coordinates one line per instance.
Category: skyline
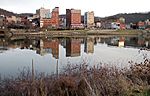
(101, 8)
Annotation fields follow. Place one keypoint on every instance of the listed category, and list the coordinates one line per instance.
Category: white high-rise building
(43, 13)
(89, 19)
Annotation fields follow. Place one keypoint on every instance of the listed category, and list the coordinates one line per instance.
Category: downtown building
(49, 20)
(89, 19)
(43, 13)
(62, 21)
(73, 19)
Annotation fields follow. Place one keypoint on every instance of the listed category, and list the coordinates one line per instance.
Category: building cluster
(113, 24)
(144, 24)
(47, 19)
(120, 23)
(141, 25)
(14, 22)
(71, 20)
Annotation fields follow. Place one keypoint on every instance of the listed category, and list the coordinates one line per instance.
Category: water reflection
(45, 46)
(2, 45)
(51, 52)
(89, 45)
(73, 47)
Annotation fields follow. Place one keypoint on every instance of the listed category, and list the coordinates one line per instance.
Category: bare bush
(81, 80)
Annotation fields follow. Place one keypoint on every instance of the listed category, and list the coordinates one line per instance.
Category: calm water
(16, 54)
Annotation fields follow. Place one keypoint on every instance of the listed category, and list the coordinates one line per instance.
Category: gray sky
(100, 7)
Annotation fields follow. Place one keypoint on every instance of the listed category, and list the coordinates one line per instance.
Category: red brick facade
(53, 21)
(141, 23)
(122, 26)
(73, 18)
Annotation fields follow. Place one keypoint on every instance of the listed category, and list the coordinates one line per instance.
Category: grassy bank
(81, 80)
(130, 31)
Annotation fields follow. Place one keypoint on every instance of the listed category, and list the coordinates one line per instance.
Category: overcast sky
(101, 8)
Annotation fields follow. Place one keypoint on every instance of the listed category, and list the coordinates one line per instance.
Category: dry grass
(81, 80)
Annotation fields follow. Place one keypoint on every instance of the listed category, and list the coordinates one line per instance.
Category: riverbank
(67, 33)
(81, 80)
(76, 33)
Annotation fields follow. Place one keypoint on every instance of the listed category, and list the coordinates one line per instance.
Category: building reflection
(121, 42)
(3, 45)
(141, 41)
(113, 41)
(147, 43)
(63, 42)
(73, 47)
(49, 47)
(89, 45)
(131, 41)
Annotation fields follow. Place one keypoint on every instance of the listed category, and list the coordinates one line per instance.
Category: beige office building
(89, 19)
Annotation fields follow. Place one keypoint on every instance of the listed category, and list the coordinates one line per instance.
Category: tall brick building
(53, 21)
(55, 17)
(73, 18)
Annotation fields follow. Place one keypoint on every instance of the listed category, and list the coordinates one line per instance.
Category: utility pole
(57, 69)
(32, 71)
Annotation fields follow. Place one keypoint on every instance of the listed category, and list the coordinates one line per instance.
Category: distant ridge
(25, 14)
(6, 13)
(131, 17)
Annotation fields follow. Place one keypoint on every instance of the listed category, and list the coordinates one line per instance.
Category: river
(52, 54)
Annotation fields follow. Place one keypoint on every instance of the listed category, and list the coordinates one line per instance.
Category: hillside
(131, 18)
(6, 13)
